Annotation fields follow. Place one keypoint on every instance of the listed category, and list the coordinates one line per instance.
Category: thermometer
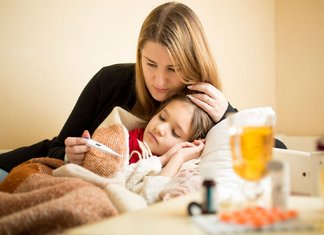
(101, 147)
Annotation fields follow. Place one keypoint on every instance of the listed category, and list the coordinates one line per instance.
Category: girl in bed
(173, 136)
(175, 133)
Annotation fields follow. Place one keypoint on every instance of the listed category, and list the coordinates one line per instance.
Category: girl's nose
(160, 130)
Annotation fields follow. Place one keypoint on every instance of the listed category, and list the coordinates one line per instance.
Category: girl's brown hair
(201, 123)
(177, 28)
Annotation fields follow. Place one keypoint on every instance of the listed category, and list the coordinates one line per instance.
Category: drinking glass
(251, 141)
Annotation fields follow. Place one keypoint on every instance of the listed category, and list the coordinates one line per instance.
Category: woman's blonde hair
(177, 28)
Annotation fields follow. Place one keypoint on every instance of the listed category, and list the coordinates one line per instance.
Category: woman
(172, 55)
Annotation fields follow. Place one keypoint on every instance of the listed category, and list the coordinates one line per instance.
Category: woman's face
(160, 75)
(169, 127)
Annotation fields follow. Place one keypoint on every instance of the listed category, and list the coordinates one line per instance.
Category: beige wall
(300, 66)
(50, 49)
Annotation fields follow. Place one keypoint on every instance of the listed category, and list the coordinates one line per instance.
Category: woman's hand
(75, 148)
(209, 99)
(179, 154)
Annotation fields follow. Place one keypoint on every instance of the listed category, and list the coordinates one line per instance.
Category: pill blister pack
(213, 225)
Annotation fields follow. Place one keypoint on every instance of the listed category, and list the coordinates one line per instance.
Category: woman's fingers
(76, 153)
(86, 134)
(73, 141)
(75, 148)
(206, 88)
(210, 99)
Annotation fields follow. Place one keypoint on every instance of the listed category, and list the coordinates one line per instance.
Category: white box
(304, 170)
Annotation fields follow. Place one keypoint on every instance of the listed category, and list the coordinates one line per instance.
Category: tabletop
(171, 217)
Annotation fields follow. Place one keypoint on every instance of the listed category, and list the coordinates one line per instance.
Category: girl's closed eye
(161, 118)
(174, 133)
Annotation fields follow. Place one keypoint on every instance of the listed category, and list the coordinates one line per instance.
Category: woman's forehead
(157, 53)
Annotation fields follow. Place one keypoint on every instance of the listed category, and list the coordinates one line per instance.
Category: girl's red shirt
(134, 135)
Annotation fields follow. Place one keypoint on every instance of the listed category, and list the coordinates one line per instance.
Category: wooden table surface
(167, 218)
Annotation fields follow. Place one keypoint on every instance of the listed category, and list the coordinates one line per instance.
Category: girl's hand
(185, 149)
(75, 148)
(167, 156)
(188, 151)
(179, 154)
(209, 99)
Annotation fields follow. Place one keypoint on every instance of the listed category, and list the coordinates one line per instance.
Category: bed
(46, 195)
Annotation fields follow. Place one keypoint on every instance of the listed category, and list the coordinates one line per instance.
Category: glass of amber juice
(251, 141)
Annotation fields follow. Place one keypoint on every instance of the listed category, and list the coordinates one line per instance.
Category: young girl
(175, 134)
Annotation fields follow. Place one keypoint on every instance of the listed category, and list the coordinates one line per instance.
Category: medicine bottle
(209, 196)
(209, 203)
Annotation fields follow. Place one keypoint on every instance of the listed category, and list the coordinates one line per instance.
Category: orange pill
(292, 214)
(257, 223)
(225, 217)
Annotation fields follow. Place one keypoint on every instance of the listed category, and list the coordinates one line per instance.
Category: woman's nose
(161, 77)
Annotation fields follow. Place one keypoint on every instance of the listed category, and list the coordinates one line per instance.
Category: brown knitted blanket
(32, 201)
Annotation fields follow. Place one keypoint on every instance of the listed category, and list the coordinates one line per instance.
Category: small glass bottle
(209, 194)
(209, 201)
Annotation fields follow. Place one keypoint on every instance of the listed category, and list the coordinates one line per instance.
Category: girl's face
(160, 75)
(169, 127)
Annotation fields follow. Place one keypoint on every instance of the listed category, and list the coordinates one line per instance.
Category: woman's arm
(111, 86)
